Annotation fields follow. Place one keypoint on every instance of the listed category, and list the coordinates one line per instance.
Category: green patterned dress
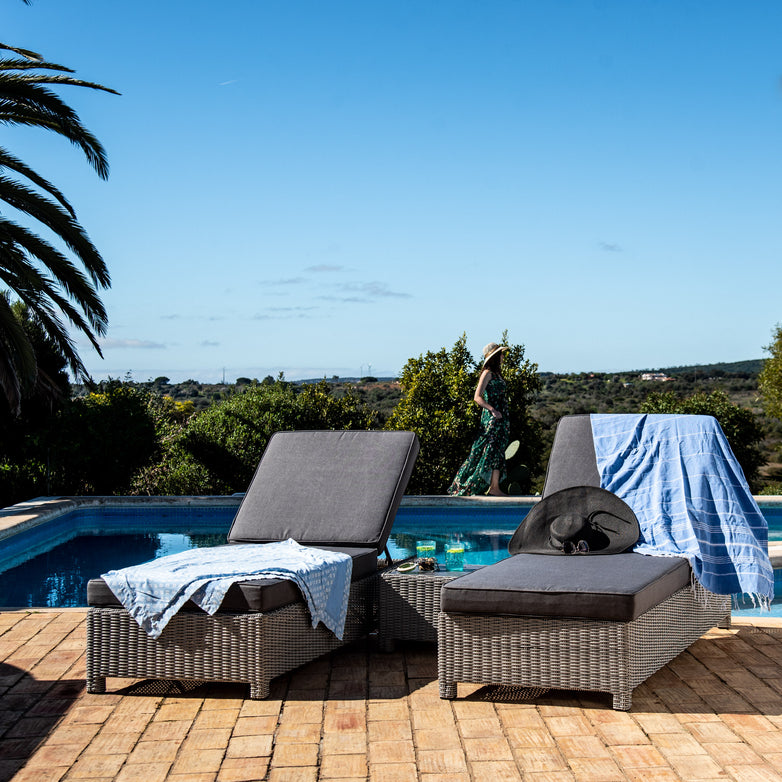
(488, 451)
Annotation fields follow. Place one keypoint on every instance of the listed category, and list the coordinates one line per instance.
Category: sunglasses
(582, 547)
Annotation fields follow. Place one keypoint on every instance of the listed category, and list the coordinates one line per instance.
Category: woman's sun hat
(577, 520)
(491, 349)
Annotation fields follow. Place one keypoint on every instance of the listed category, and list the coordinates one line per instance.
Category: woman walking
(484, 468)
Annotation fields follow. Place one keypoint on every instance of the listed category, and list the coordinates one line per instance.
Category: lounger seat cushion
(262, 595)
(619, 587)
(327, 488)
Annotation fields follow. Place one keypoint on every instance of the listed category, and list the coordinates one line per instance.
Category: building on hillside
(658, 376)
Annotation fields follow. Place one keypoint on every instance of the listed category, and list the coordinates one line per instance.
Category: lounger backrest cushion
(572, 461)
(330, 488)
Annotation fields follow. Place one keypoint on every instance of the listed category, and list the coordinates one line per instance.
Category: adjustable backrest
(572, 461)
(338, 488)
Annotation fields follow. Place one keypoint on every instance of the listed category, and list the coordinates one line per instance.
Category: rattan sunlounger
(337, 490)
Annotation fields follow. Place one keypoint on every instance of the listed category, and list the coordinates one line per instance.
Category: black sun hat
(577, 520)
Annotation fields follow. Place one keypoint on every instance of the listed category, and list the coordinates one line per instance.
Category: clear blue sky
(327, 187)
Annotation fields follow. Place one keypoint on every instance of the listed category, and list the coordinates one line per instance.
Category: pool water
(50, 565)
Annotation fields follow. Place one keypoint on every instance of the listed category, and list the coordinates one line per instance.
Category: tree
(739, 424)
(217, 450)
(41, 275)
(437, 404)
(770, 378)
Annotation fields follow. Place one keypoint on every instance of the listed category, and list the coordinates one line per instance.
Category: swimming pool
(49, 564)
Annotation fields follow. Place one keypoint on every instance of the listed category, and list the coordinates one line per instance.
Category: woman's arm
(483, 381)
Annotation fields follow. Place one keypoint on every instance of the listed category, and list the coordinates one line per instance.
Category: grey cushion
(262, 595)
(327, 488)
(572, 461)
(619, 587)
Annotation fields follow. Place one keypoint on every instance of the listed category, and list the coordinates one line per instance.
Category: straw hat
(491, 349)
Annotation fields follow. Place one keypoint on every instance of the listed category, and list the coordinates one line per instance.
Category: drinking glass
(454, 555)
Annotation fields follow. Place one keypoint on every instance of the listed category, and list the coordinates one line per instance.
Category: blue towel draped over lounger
(154, 591)
(689, 493)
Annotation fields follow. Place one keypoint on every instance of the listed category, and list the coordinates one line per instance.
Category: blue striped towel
(154, 591)
(680, 477)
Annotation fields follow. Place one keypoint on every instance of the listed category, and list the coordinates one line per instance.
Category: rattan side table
(409, 604)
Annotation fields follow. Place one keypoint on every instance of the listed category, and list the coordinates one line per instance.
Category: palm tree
(55, 284)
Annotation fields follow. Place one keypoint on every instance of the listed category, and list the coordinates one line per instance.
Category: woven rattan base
(574, 654)
(252, 648)
(409, 604)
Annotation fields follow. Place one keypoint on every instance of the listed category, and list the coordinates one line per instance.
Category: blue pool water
(49, 565)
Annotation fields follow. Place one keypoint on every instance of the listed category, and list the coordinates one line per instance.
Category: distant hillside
(749, 367)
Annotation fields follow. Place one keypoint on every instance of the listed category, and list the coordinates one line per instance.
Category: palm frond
(9, 161)
(18, 245)
(60, 222)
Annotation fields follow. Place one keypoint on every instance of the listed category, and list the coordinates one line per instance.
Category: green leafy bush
(437, 404)
(216, 451)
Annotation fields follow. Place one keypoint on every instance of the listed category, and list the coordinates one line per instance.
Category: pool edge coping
(26, 515)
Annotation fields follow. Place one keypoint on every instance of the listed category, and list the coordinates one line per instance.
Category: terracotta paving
(715, 712)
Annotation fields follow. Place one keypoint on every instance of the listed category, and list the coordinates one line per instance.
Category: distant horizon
(213, 377)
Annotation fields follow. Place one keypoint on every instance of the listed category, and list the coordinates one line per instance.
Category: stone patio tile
(295, 755)
(253, 726)
(487, 749)
(173, 711)
(434, 738)
(243, 769)
(51, 774)
(495, 771)
(583, 747)
(204, 761)
(596, 770)
(655, 774)
(251, 746)
(344, 721)
(638, 756)
(306, 733)
(569, 726)
(393, 772)
(144, 772)
(293, 774)
(112, 744)
(216, 738)
(391, 751)
(175, 730)
(673, 744)
(96, 766)
(387, 710)
(442, 761)
(216, 718)
(343, 766)
(761, 773)
(530, 737)
(344, 744)
(154, 752)
(389, 730)
(696, 767)
(483, 726)
(540, 759)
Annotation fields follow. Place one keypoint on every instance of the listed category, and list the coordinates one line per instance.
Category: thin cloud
(133, 344)
(365, 292)
(609, 247)
(324, 267)
(226, 83)
(208, 343)
(283, 282)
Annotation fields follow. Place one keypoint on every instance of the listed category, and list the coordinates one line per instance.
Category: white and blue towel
(688, 491)
(154, 591)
